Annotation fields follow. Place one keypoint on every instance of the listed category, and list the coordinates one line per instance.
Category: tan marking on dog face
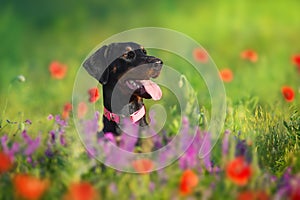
(150, 72)
(114, 70)
(139, 99)
(128, 48)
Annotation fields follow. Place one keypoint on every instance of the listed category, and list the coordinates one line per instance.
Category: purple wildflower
(90, 129)
(241, 148)
(62, 140)
(288, 187)
(129, 137)
(97, 115)
(111, 153)
(52, 137)
(32, 146)
(287, 175)
(27, 121)
(9, 151)
(4, 143)
(273, 178)
(50, 117)
(113, 188)
(225, 143)
(127, 142)
(157, 141)
(152, 117)
(26, 137)
(62, 123)
(205, 151)
(106, 146)
(201, 143)
(151, 186)
(189, 159)
(110, 137)
(130, 129)
(49, 153)
(29, 159)
(186, 137)
(216, 169)
(14, 149)
(116, 159)
(165, 155)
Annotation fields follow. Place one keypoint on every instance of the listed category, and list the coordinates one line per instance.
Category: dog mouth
(145, 85)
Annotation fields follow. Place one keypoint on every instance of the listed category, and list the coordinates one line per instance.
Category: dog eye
(129, 55)
(144, 51)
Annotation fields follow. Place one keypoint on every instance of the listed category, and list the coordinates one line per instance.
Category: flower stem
(5, 105)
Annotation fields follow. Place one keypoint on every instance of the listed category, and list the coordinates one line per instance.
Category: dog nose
(155, 63)
(159, 62)
(154, 60)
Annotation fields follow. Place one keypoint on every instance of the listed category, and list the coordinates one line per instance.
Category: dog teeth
(134, 84)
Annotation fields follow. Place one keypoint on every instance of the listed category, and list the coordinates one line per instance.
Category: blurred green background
(33, 33)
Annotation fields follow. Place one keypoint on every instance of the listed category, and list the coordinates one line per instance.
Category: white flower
(21, 78)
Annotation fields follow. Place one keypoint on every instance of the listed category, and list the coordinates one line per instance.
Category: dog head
(127, 66)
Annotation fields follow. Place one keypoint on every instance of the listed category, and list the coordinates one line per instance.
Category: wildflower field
(255, 46)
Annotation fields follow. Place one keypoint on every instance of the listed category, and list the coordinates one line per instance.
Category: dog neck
(121, 104)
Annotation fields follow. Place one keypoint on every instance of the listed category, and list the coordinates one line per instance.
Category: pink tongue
(152, 88)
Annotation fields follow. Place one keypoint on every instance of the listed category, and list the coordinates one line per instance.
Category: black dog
(124, 70)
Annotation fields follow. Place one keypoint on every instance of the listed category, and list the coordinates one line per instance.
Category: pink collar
(134, 117)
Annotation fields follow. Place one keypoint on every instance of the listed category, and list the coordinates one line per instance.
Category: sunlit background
(34, 33)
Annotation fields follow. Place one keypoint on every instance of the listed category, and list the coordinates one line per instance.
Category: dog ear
(96, 65)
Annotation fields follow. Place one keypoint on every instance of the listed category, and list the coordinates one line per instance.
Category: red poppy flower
(67, 110)
(200, 55)
(296, 60)
(81, 191)
(5, 162)
(249, 55)
(226, 75)
(188, 181)
(94, 94)
(143, 165)
(238, 171)
(57, 70)
(68, 107)
(252, 195)
(288, 93)
(29, 187)
(82, 109)
(295, 194)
